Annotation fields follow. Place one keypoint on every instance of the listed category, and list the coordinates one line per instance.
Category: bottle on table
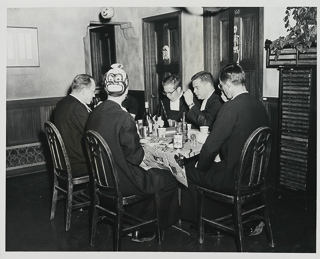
(147, 119)
(178, 138)
(184, 127)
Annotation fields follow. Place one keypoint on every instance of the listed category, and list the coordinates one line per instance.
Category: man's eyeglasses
(169, 93)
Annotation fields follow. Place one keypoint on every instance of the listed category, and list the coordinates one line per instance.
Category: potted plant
(302, 35)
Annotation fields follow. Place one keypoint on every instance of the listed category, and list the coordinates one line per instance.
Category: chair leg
(238, 225)
(159, 232)
(54, 202)
(200, 221)
(268, 224)
(94, 221)
(118, 229)
(69, 207)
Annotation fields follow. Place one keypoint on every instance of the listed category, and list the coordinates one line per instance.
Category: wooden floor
(28, 227)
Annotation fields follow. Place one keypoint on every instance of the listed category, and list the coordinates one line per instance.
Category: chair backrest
(61, 162)
(254, 160)
(105, 175)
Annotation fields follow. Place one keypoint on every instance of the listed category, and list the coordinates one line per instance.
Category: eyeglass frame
(166, 94)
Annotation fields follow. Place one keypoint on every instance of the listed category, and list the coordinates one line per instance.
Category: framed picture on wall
(22, 47)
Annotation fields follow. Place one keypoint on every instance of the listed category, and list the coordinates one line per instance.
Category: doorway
(162, 54)
(100, 51)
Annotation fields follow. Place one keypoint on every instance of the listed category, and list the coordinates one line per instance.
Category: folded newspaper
(163, 157)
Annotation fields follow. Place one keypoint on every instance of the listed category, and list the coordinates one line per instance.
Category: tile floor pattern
(28, 227)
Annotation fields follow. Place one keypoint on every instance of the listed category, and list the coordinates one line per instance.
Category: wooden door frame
(150, 55)
(211, 28)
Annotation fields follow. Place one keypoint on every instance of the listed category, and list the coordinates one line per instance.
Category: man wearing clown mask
(119, 130)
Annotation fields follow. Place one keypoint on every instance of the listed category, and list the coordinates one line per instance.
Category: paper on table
(160, 156)
(201, 137)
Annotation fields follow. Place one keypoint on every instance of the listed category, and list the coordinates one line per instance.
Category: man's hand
(188, 96)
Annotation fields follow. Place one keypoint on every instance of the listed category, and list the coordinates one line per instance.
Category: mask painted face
(116, 80)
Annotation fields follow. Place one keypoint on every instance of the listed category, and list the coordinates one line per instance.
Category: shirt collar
(87, 107)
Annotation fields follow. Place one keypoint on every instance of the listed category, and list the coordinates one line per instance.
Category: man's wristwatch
(191, 105)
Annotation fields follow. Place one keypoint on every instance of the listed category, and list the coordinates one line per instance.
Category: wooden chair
(106, 187)
(63, 181)
(254, 160)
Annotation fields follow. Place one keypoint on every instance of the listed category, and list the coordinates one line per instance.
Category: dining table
(160, 153)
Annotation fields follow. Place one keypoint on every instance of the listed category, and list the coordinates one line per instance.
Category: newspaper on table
(163, 157)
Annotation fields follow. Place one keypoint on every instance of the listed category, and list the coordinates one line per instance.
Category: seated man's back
(70, 117)
(119, 130)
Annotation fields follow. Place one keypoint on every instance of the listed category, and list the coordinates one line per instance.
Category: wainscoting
(26, 141)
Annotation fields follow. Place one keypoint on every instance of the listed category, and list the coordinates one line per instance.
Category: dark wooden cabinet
(297, 131)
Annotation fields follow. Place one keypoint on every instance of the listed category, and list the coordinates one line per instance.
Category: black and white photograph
(154, 129)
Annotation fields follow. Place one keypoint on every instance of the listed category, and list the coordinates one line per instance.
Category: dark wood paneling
(220, 48)
(216, 42)
(272, 107)
(25, 119)
(24, 125)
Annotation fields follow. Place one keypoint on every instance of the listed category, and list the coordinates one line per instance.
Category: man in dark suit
(203, 88)
(119, 130)
(70, 117)
(173, 105)
(236, 120)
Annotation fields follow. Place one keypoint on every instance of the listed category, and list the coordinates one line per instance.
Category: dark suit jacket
(119, 130)
(236, 120)
(70, 117)
(209, 114)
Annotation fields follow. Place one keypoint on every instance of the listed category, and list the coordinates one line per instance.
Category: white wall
(61, 48)
(61, 51)
(273, 28)
(192, 46)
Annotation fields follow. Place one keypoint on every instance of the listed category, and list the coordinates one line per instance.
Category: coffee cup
(162, 133)
(204, 129)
